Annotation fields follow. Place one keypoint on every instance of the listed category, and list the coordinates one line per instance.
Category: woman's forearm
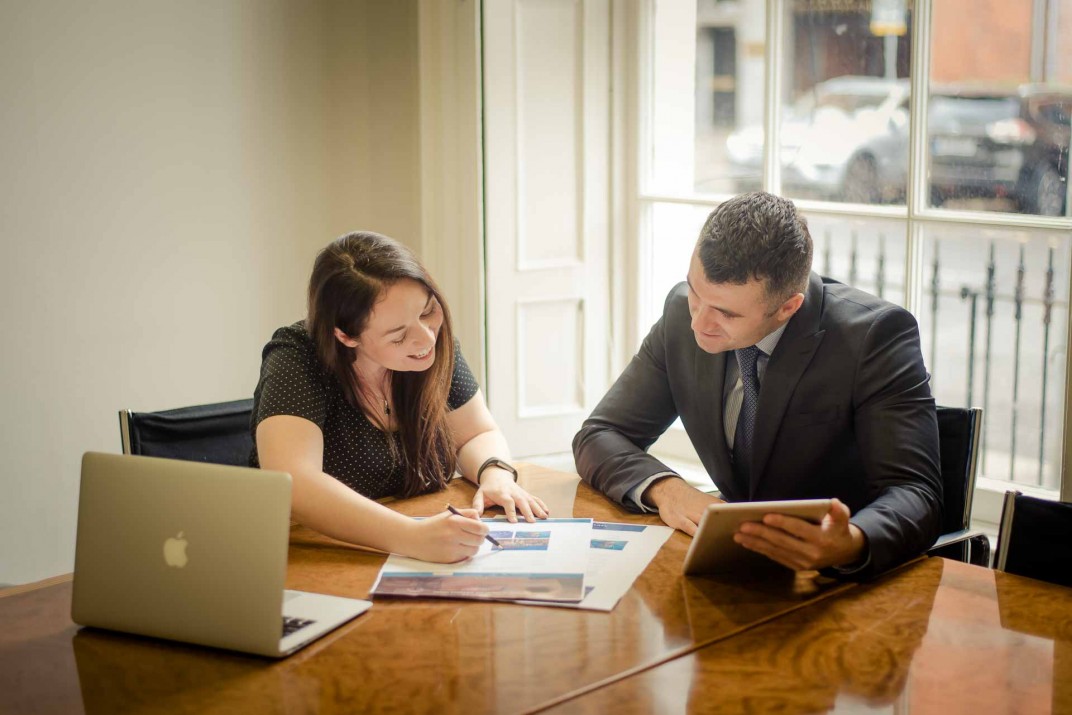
(479, 449)
(324, 504)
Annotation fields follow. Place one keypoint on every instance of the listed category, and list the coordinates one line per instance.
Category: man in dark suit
(790, 386)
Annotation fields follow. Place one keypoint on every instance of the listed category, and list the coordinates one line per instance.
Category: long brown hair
(349, 276)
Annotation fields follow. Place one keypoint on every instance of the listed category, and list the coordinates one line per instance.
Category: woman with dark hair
(370, 397)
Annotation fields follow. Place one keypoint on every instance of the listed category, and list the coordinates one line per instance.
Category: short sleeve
(462, 385)
(291, 382)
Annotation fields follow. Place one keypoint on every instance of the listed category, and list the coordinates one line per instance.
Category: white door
(546, 150)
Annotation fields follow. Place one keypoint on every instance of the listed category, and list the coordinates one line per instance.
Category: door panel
(546, 152)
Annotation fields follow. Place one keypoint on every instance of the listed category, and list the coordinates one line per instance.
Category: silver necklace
(383, 396)
(371, 393)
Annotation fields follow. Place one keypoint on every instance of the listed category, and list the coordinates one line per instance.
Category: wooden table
(403, 655)
(936, 636)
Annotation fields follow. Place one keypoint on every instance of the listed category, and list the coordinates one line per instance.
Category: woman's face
(402, 329)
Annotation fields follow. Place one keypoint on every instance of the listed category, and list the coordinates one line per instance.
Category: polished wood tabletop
(936, 636)
(404, 655)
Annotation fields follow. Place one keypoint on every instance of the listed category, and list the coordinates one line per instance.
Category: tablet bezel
(713, 549)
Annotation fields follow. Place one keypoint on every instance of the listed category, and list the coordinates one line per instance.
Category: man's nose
(703, 320)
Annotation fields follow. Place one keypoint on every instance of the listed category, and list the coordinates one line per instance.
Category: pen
(489, 537)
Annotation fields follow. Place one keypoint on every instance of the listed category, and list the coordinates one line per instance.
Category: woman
(370, 397)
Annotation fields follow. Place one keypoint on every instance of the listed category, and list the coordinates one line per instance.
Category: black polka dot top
(356, 453)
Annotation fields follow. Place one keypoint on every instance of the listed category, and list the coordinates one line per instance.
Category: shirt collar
(767, 344)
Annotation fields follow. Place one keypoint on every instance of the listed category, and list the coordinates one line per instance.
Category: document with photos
(617, 554)
(542, 561)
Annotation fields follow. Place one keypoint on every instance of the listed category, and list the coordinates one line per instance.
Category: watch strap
(495, 462)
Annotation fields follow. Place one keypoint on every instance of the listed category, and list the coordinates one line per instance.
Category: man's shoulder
(841, 301)
(677, 300)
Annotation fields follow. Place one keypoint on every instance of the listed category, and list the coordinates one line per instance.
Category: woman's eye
(400, 340)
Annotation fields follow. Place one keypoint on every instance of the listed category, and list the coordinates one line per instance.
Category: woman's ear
(345, 339)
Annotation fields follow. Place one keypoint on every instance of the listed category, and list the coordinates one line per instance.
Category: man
(790, 386)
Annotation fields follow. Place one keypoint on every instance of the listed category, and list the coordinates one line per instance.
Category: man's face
(726, 316)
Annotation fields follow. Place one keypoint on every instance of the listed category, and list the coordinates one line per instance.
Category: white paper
(544, 561)
(617, 554)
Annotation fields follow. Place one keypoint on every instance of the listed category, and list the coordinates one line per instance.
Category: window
(953, 203)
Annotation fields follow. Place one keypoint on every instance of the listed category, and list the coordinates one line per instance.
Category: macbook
(193, 552)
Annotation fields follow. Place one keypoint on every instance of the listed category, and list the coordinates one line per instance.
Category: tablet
(713, 549)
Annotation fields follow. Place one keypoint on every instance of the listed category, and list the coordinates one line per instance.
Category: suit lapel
(791, 358)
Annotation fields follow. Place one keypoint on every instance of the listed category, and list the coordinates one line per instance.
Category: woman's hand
(497, 487)
(446, 538)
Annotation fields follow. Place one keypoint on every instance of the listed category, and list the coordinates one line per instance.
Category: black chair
(1035, 538)
(217, 433)
(959, 432)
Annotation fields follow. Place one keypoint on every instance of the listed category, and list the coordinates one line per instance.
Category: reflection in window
(998, 125)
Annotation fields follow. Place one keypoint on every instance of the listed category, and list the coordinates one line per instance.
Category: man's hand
(680, 505)
(803, 546)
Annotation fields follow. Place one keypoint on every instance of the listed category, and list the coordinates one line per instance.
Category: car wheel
(861, 182)
(1045, 192)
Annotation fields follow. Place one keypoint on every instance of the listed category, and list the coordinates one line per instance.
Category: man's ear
(345, 339)
(787, 309)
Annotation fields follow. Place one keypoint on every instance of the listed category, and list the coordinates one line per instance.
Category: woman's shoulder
(291, 340)
(294, 335)
(463, 384)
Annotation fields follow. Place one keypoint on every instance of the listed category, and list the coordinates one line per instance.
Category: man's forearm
(662, 489)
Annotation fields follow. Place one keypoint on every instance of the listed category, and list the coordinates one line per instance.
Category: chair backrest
(217, 433)
(958, 442)
(1035, 538)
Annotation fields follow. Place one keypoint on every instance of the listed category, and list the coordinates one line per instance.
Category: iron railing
(1010, 415)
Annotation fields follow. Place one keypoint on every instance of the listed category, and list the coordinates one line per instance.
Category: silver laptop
(193, 552)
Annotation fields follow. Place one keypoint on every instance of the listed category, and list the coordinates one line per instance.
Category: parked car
(994, 143)
(847, 140)
(840, 140)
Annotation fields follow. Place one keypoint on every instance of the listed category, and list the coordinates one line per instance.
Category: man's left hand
(802, 545)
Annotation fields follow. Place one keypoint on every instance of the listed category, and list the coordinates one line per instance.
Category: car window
(851, 103)
(973, 110)
(1056, 112)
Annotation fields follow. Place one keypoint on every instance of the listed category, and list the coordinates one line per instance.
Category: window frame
(634, 31)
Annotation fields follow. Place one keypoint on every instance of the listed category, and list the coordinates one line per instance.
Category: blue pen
(489, 537)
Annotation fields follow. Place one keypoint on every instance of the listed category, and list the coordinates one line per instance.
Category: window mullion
(772, 112)
(916, 196)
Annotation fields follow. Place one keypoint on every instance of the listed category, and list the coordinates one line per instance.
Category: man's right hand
(680, 505)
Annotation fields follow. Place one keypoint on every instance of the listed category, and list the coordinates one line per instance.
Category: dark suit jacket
(845, 410)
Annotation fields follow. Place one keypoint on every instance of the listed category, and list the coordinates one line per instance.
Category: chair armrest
(968, 545)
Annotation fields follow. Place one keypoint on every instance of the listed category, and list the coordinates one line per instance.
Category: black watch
(495, 462)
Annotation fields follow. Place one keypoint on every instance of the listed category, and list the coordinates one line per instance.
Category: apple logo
(175, 551)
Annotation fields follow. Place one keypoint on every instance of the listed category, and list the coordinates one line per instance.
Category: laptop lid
(182, 550)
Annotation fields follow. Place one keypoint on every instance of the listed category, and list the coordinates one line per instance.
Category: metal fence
(994, 336)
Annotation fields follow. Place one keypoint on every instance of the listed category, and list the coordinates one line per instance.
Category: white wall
(167, 172)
